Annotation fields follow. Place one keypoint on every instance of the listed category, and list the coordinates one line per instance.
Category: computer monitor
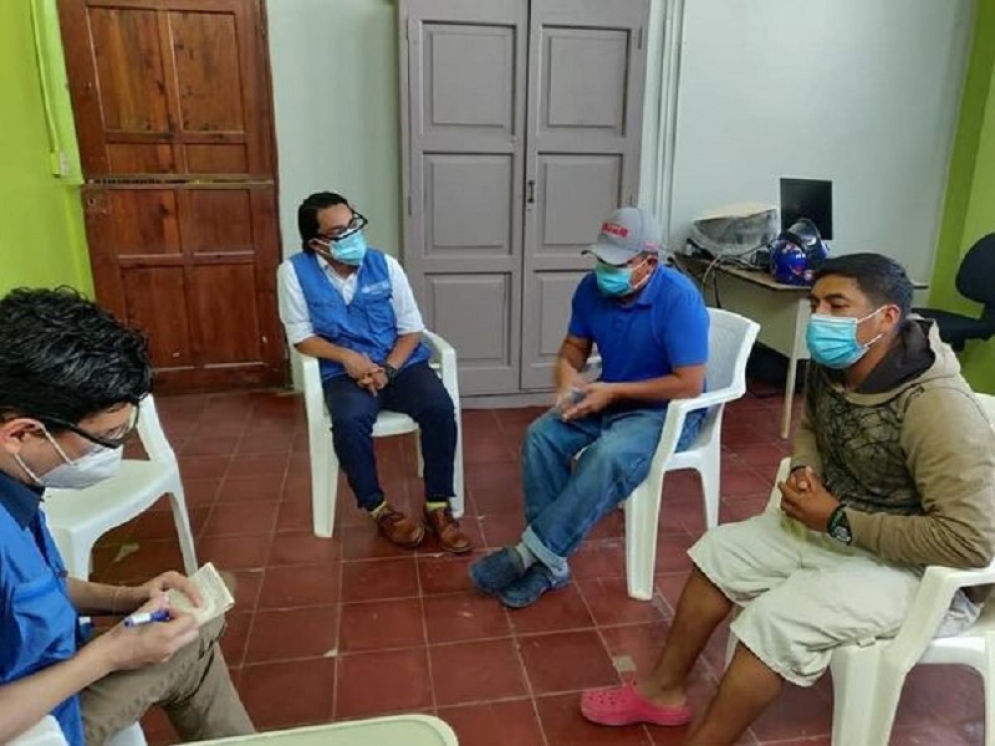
(808, 198)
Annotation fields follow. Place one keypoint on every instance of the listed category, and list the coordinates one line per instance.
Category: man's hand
(162, 583)
(128, 648)
(597, 396)
(373, 382)
(805, 499)
(358, 366)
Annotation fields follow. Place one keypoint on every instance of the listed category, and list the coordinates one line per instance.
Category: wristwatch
(839, 526)
(390, 370)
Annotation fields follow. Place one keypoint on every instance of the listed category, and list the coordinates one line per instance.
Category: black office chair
(975, 281)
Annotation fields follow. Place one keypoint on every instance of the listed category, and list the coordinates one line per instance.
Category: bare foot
(661, 697)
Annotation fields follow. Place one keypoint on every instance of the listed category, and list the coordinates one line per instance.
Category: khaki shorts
(803, 594)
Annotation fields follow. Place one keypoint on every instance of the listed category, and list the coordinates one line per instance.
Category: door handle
(530, 199)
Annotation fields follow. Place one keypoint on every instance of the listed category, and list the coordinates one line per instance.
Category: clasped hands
(804, 498)
(577, 398)
(366, 373)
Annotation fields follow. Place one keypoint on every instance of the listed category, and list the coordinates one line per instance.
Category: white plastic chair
(406, 730)
(77, 518)
(325, 464)
(868, 679)
(730, 340)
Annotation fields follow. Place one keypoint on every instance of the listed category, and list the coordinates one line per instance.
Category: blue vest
(38, 621)
(366, 325)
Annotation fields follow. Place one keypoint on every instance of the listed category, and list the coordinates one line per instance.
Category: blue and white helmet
(797, 253)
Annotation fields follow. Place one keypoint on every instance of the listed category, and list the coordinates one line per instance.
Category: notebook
(216, 599)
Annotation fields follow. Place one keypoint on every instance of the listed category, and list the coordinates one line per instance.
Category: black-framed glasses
(114, 439)
(355, 225)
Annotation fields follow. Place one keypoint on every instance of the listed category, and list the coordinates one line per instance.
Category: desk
(781, 310)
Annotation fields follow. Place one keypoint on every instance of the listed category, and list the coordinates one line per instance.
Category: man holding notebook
(71, 378)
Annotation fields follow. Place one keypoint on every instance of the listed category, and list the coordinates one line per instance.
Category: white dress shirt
(293, 306)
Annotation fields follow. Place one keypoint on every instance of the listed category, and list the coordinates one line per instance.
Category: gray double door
(521, 124)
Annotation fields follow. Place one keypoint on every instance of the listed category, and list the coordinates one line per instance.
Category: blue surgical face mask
(832, 340)
(349, 250)
(615, 281)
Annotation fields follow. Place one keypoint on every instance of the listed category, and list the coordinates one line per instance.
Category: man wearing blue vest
(71, 378)
(352, 307)
(650, 326)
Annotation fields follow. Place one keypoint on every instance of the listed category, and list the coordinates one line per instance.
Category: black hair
(65, 358)
(307, 214)
(879, 277)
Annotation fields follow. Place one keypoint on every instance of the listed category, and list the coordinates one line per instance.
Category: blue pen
(146, 617)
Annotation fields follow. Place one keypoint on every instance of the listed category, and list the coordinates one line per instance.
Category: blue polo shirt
(664, 327)
(38, 621)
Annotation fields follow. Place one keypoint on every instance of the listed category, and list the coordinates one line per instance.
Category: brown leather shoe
(398, 528)
(451, 537)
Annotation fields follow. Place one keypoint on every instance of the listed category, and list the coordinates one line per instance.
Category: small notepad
(215, 597)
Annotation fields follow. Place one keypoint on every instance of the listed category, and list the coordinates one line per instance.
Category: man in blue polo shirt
(650, 326)
(71, 378)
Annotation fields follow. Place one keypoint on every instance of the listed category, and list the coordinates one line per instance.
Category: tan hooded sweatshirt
(910, 453)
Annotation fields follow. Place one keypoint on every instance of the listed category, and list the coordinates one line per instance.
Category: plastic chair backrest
(726, 350)
(150, 431)
(988, 404)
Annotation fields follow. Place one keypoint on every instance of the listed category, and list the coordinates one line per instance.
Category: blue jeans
(562, 504)
(416, 392)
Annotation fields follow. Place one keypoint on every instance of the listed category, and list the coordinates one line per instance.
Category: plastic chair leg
(459, 501)
(181, 520)
(857, 697)
(711, 478)
(642, 513)
(987, 678)
(324, 485)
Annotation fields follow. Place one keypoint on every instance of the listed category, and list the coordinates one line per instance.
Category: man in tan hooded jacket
(893, 469)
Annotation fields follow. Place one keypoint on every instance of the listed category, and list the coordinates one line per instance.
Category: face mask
(350, 250)
(615, 281)
(832, 340)
(86, 471)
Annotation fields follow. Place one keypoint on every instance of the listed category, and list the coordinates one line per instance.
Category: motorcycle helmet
(797, 253)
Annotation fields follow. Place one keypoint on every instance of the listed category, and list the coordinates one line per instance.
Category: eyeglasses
(114, 439)
(355, 225)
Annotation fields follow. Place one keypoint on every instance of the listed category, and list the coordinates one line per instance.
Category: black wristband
(390, 370)
(835, 518)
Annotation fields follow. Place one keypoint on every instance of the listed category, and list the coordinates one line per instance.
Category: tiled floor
(350, 627)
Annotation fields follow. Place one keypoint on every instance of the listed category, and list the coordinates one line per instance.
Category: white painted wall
(334, 66)
(862, 92)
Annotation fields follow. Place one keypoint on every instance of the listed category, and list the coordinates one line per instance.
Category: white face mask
(90, 469)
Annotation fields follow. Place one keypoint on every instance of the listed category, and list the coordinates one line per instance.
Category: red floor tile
(383, 682)
(371, 580)
(228, 518)
(502, 529)
(476, 672)
(303, 547)
(200, 492)
(448, 574)
(259, 464)
(294, 516)
(564, 609)
(307, 632)
(796, 713)
(242, 489)
(635, 648)
(234, 552)
(364, 542)
(599, 560)
(506, 723)
(610, 604)
(566, 661)
(379, 625)
(465, 616)
(299, 585)
(288, 693)
(235, 637)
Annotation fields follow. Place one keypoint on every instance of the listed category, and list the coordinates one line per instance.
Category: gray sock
(525, 554)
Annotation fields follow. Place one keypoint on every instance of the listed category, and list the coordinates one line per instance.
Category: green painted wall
(969, 211)
(42, 239)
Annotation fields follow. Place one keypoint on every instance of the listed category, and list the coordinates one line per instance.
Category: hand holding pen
(151, 635)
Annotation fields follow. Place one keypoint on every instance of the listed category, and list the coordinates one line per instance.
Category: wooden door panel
(155, 301)
(171, 100)
(130, 71)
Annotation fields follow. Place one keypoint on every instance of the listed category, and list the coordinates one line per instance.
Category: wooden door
(174, 119)
(587, 62)
(463, 118)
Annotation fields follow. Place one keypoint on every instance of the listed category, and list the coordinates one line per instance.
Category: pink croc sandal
(623, 705)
